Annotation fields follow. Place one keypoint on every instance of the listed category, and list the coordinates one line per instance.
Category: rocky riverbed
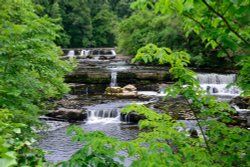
(94, 106)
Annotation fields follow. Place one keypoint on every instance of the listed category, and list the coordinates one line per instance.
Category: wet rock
(127, 94)
(87, 89)
(113, 90)
(239, 120)
(107, 57)
(193, 133)
(215, 90)
(132, 117)
(91, 77)
(68, 114)
(129, 88)
(175, 107)
(126, 91)
(241, 102)
(248, 121)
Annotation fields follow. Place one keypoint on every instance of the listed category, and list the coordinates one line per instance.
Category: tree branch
(198, 123)
(226, 22)
(203, 27)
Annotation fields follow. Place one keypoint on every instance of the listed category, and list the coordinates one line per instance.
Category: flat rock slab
(68, 114)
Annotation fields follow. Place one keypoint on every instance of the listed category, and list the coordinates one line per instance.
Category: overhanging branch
(226, 22)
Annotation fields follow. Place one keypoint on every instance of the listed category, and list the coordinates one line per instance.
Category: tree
(86, 23)
(103, 23)
(76, 19)
(223, 25)
(121, 7)
(146, 27)
(31, 72)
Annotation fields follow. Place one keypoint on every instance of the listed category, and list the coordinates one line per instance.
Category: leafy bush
(214, 22)
(16, 143)
(31, 72)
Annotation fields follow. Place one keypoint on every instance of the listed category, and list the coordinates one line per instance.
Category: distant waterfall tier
(216, 78)
(113, 79)
(84, 53)
(71, 53)
(218, 84)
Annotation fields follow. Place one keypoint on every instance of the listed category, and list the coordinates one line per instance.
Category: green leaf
(8, 159)
(17, 130)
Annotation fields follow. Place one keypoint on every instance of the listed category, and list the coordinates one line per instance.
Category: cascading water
(71, 54)
(108, 112)
(87, 90)
(84, 53)
(213, 78)
(113, 82)
(217, 84)
(113, 52)
(104, 116)
(105, 113)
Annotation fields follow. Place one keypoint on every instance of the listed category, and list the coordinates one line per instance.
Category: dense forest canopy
(86, 23)
(110, 23)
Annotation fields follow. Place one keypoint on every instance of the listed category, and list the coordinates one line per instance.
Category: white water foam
(71, 54)
(118, 68)
(84, 53)
(218, 84)
(103, 116)
(151, 93)
(108, 113)
(113, 82)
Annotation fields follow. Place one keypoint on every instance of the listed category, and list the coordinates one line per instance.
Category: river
(104, 115)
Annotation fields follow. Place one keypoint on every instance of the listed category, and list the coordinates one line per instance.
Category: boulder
(107, 57)
(129, 88)
(193, 133)
(126, 91)
(68, 114)
(114, 90)
(132, 117)
(241, 102)
(127, 94)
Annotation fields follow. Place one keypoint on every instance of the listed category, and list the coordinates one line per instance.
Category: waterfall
(87, 91)
(113, 52)
(71, 54)
(84, 53)
(108, 112)
(104, 116)
(217, 84)
(113, 82)
(216, 78)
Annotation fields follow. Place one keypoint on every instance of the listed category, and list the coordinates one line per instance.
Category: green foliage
(30, 68)
(222, 25)
(77, 23)
(86, 23)
(31, 72)
(103, 23)
(145, 27)
(162, 143)
(121, 7)
(16, 144)
(99, 150)
(243, 79)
